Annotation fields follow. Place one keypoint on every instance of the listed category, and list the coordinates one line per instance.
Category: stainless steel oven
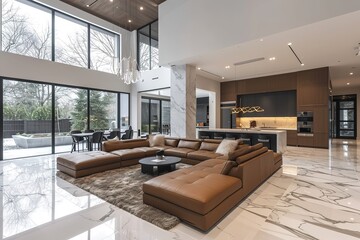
(305, 122)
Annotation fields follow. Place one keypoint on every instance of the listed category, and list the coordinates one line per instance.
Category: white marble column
(183, 101)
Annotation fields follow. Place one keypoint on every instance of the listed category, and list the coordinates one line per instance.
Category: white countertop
(243, 130)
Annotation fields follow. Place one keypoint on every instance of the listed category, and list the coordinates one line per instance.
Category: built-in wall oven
(305, 123)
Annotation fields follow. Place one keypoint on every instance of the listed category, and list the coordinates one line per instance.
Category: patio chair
(89, 131)
(96, 140)
(114, 134)
(76, 141)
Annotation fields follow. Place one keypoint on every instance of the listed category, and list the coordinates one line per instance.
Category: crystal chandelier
(128, 70)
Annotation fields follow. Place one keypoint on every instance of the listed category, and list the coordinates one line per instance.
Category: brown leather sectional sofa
(199, 195)
(124, 153)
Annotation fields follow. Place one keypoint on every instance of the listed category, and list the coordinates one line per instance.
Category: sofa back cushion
(212, 141)
(171, 142)
(226, 146)
(110, 146)
(251, 155)
(239, 152)
(183, 143)
(209, 146)
(157, 140)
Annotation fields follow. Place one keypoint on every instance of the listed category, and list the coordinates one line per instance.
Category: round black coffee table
(167, 164)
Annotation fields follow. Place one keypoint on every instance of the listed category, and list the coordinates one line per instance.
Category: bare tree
(104, 54)
(18, 36)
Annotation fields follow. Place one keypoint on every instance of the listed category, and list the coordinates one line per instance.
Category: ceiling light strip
(213, 74)
(249, 61)
(289, 45)
(89, 5)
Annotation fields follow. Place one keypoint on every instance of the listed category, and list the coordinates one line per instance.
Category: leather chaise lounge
(199, 195)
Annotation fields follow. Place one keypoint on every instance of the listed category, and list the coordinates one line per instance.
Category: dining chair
(126, 135)
(76, 141)
(97, 140)
(114, 134)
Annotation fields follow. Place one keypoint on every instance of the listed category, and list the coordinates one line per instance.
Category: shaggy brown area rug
(123, 188)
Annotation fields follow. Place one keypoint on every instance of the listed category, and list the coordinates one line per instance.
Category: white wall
(348, 91)
(23, 67)
(214, 98)
(189, 28)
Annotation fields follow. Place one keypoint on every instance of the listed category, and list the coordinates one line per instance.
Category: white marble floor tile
(316, 195)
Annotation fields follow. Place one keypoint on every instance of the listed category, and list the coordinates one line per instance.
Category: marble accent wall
(183, 101)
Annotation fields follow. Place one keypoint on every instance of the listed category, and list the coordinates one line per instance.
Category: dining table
(88, 136)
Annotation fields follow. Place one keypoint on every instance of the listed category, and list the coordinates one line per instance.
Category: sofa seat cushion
(84, 160)
(149, 151)
(209, 166)
(202, 155)
(197, 191)
(127, 154)
(178, 152)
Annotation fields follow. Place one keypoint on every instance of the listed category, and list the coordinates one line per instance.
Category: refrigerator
(228, 120)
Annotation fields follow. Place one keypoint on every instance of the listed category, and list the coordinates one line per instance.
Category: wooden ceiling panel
(120, 11)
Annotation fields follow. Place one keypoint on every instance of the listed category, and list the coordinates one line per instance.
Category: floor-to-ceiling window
(32, 29)
(71, 41)
(148, 46)
(103, 110)
(26, 29)
(124, 111)
(71, 111)
(345, 116)
(27, 118)
(104, 52)
(155, 116)
(38, 117)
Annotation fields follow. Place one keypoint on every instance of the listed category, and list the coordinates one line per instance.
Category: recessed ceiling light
(199, 68)
(272, 58)
(129, 20)
(302, 64)
(351, 73)
(222, 77)
(87, 5)
(289, 44)
(111, 0)
(261, 40)
(348, 83)
(227, 67)
(141, 8)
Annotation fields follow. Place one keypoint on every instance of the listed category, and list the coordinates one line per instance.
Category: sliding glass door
(27, 119)
(155, 116)
(345, 116)
(38, 117)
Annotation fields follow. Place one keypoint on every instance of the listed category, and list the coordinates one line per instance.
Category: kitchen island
(273, 139)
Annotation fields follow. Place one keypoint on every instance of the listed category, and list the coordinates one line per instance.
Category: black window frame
(160, 117)
(88, 25)
(150, 46)
(53, 105)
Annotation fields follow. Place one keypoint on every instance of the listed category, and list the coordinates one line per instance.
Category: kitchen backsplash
(270, 122)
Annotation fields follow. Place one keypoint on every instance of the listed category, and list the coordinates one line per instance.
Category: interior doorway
(344, 117)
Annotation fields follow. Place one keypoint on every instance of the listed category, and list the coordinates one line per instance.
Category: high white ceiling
(331, 42)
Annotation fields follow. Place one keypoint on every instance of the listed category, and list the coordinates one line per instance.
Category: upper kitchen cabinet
(312, 87)
(228, 91)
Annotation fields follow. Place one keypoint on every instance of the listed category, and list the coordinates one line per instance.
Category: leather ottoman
(87, 163)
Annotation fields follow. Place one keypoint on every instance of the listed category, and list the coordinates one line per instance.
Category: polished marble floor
(316, 195)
